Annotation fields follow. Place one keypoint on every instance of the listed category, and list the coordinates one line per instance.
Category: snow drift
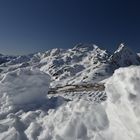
(22, 86)
(25, 114)
(116, 118)
(123, 105)
(78, 120)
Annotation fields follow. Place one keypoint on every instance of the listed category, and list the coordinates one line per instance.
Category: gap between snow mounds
(91, 92)
(96, 96)
(78, 88)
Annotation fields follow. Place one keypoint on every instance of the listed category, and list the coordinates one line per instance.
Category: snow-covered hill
(91, 103)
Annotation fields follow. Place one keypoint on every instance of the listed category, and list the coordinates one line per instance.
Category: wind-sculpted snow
(123, 104)
(22, 87)
(78, 120)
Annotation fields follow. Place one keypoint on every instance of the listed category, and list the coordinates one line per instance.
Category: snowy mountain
(86, 63)
(124, 57)
(70, 94)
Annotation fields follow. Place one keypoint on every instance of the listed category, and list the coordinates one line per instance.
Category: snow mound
(123, 108)
(22, 86)
(77, 120)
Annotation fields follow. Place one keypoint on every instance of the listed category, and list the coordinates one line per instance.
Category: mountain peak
(124, 56)
(84, 46)
(121, 46)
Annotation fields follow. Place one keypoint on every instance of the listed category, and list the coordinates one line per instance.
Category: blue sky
(28, 26)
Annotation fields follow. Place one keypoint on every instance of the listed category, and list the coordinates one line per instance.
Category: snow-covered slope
(96, 112)
(72, 63)
(86, 63)
(82, 119)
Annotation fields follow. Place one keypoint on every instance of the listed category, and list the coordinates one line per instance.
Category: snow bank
(123, 105)
(78, 120)
(22, 86)
(118, 118)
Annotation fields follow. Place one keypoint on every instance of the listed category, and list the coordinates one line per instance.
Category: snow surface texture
(123, 104)
(116, 118)
(22, 87)
(78, 120)
(123, 57)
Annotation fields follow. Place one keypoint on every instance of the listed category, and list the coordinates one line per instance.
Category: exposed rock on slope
(123, 57)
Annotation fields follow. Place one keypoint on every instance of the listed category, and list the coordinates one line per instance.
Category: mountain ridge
(84, 62)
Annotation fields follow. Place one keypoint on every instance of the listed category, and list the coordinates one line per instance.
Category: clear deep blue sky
(28, 26)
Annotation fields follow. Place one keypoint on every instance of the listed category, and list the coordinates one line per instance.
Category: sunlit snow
(75, 94)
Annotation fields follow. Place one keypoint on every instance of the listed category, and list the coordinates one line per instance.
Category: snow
(22, 86)
(116, 118)
(66, 65)
(124, 56)
(29, 112)
(123, 104)
(77, 120)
